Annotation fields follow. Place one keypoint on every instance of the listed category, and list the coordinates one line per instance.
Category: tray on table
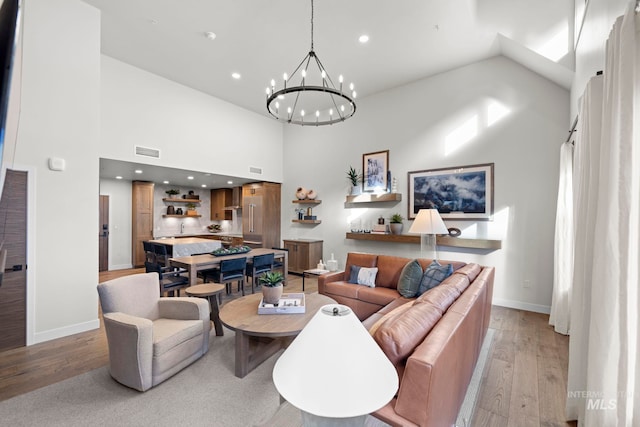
(291, 303)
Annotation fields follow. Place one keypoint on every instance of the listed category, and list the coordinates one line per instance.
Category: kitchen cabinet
(221, 198)
(304, 254)
(261, 214)
(141, 219)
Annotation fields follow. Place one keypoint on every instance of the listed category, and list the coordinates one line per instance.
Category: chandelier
(316, 100)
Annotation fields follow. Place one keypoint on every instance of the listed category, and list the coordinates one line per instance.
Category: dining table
(183, 246)
(195, 263)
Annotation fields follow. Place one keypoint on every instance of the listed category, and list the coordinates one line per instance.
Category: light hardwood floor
(524, 382)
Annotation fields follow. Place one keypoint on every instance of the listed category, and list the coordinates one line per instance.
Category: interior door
(13, 234)
(103, 234)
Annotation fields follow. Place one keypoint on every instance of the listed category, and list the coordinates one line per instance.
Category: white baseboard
(536, 308)
(52, 334)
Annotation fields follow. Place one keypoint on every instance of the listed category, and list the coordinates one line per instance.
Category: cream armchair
(150, 338)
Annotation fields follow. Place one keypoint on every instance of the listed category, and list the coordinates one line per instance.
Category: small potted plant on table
(271, 282)
(191, 209)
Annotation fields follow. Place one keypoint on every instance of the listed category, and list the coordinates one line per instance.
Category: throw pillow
(410, 278)
(433, 275)
(363, 275)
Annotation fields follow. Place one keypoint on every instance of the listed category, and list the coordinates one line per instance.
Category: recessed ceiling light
(204, 185)
(118, 177)
(229, 182)
(138, 171)
(165, 182)
(363, 38)
(189, 177)
(210, 35)
(236, 75)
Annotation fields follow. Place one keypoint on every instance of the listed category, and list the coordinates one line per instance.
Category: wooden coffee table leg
(251, 351)
(215, 314)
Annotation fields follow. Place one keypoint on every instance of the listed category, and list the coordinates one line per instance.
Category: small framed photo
(375, 168)
(464, 192)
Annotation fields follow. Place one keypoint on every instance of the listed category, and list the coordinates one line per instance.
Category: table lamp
(334, 371)
(428, 223)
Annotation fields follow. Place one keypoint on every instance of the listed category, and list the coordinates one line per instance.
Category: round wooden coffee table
(259, 336)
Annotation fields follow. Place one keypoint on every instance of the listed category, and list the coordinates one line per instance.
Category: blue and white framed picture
(464, 192)
(375, 168)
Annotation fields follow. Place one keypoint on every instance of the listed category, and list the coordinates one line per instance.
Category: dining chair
(171, 280)
(149, 253)
(231, 270)
(278, 264)
(162, 257)
(258, 265)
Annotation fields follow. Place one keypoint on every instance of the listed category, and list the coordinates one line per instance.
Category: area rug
(207, 393)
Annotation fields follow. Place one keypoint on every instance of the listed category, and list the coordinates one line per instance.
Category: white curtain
(563, 244)
(604, 371)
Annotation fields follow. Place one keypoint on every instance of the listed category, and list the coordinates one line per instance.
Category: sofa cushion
(344, 289)
(434, 275)
(384, 317)
(363, 275)
(399, 335)
(378, 296)
(389, 268)
(170, 333)
(440, 297)
(471, 270)
(361, 259)
(410, 278)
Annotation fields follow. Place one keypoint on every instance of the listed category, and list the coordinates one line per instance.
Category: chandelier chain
(311, 25)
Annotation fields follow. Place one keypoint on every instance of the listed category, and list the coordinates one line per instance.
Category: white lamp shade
(335, 369)
(428, 221)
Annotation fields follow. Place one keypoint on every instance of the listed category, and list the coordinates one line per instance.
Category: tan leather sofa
(433, 340)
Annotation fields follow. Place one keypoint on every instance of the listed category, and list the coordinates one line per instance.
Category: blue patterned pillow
(433, 275)
(410, 278)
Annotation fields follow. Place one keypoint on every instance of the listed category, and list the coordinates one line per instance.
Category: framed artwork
(375, 168)
(464, 192)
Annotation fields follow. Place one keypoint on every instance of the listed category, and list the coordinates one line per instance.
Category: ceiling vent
(253, 169)
(148, 152)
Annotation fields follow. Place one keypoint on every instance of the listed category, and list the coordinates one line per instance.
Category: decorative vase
(396, 227)
(301, 193)
(271, 294)
(311, 194)
(356, 190)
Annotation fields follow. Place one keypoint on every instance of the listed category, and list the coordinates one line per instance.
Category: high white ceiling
(261, 40)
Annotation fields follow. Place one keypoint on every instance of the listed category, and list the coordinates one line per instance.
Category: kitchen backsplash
(172, 226)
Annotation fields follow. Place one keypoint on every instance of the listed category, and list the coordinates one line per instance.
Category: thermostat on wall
(56, 164)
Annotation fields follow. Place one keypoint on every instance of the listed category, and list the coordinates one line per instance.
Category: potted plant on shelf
(271, 282)
(191, 209)
(172, 193)
(395, 223)
(355, 179)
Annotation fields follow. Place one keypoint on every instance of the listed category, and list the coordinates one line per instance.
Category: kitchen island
(185, 246)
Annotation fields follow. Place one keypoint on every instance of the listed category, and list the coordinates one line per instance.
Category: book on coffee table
(289, 304)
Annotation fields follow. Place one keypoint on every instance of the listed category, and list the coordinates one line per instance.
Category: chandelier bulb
(302, 113)
(331, 112)
(285, 77)
(304, 73)
(351, 86)
(340, 78)
(317, 113)
(354, 93)
(323, 74)
(273, 83)
(342, 108)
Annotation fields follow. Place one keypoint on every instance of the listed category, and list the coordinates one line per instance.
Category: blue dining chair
(231, 270)
(259, 265)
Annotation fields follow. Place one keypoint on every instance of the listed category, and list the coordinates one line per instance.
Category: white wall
(193, 131)
(60, 118)
(415, 122)
(590, 50)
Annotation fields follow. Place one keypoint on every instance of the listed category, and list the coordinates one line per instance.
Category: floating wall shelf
(373, 198)
(441, 240)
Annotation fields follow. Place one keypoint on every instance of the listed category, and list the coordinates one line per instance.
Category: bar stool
(212, 292)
